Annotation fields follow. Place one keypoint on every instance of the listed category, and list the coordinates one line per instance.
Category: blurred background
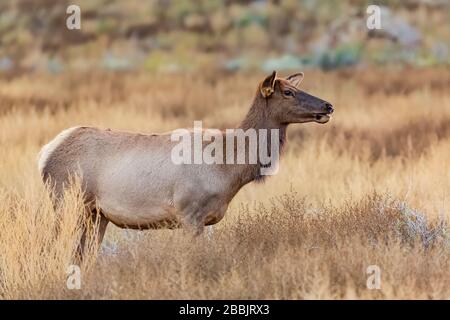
(179, 36)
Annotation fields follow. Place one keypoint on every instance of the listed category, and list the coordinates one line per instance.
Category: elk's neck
(257, 118)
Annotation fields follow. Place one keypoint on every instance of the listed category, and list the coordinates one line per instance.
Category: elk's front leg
(193, 219)
(195, 207)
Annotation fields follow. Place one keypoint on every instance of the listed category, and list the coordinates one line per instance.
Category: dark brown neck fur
(259, 117)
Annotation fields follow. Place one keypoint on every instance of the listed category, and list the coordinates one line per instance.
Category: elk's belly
(135, 197)
(151, 217)
(143, 193)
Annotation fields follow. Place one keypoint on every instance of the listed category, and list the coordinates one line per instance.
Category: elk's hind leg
(94, 229)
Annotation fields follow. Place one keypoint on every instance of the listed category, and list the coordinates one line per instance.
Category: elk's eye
(288, 93)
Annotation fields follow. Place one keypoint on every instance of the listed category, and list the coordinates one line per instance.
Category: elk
(129, 179)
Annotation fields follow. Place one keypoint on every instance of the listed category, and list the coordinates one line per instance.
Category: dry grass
(372, 187)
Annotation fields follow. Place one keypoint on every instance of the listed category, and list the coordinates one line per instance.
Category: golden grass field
(371, 187)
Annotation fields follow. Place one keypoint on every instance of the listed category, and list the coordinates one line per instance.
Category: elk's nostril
(329, 108)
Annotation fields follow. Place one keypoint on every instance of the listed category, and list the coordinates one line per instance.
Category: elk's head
(288, 104)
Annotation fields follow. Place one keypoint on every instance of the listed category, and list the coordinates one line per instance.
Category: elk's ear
(295, 78)
(267, 86)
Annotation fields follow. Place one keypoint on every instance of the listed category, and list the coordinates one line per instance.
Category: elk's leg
(193, 225)
(95, 226)
(194, 215)
(193, 219)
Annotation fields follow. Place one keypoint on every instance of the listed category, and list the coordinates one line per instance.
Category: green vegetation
(167, 35)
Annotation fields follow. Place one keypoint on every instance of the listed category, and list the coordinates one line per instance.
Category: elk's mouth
(322, 117)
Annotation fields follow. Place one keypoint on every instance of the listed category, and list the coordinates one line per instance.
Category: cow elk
(129, 179)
